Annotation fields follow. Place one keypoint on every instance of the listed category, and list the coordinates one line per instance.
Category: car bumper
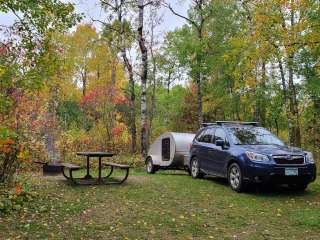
(276, 173)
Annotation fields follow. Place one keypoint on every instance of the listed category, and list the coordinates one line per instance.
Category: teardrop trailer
(170, 151)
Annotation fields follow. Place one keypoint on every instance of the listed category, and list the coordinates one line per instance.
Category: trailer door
(165, 149)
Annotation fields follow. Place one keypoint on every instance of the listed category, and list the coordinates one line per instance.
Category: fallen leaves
(134, 210)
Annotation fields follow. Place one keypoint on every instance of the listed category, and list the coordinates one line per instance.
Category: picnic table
(88, 179)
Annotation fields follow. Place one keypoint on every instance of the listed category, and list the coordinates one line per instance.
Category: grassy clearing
(167, 205)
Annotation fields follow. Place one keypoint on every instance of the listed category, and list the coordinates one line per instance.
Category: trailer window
(166, 149)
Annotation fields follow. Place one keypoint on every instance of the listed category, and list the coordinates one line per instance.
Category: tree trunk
(295, 135)
(285, 96)
(144, 76)
(84, 82)
(154, 82)
(199, 98)
(132, 117)
(153, 97)
(316, 126)
(112, 96)
(262, 94)
(128, 66)
(199, 80)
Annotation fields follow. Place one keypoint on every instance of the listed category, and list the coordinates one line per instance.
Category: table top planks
(96, 154)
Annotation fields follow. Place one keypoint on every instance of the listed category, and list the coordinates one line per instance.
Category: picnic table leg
(71, 177)
(64, 174)
(88, 176)
(125, 177)
(111, 171)
(100, 166)
(117, 181)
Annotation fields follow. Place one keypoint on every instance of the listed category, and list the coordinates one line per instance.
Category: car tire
(195, 168)
(298, 186)
(188, 171)
(235, 178)
(150, 167)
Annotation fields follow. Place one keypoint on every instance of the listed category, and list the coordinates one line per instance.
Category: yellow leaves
(23, 155)
(2, 70)
(250, 81)
(279, 212)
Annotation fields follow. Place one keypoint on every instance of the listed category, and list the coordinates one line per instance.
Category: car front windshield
(253, 136)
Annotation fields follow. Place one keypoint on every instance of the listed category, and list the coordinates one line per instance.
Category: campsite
(160, 119)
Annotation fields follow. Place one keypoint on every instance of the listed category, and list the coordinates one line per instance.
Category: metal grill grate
(288, 159)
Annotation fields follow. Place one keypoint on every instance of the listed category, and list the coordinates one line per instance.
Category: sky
(92, 10)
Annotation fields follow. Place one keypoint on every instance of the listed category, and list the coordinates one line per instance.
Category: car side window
(207, 135)
(221, 135)
(199, 136)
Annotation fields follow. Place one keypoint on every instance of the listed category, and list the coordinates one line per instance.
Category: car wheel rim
(234, 177)
(195, 168)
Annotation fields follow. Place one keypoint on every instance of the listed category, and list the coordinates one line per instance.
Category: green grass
(167, 205)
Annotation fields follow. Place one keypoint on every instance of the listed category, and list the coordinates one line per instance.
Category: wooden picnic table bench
(120, 166)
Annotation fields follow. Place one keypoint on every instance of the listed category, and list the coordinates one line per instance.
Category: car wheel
(195, 168)
(235, 178)
(298, 186)
(149, 166)
(188, 171)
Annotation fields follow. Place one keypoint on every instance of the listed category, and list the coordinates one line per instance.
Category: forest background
(67, 86)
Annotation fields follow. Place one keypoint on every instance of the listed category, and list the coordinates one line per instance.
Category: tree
(288, 22)
(81, 50)
(153, 21)
(197, 19)
(144, 77)
(120, 35)
(23, 63)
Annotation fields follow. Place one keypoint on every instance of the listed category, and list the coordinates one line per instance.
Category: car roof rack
(237, 122)
(208, 124)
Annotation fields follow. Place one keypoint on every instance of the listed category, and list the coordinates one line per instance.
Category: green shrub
(13, 198)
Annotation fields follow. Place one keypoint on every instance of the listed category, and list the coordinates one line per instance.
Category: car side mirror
(220, 143)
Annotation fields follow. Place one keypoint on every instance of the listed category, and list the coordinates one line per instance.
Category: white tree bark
(144, 76)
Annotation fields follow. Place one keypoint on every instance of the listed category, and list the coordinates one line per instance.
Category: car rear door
(217, 154)
(197, 145)
(206, 146)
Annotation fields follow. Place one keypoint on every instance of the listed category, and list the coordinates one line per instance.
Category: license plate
(291, 171)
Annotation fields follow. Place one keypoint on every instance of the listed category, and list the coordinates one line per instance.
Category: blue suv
(244, 152)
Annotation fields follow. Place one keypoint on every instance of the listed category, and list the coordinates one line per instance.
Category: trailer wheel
(149, 166)
(195, 168)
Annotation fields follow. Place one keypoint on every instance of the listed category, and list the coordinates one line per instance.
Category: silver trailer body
(171, 150)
